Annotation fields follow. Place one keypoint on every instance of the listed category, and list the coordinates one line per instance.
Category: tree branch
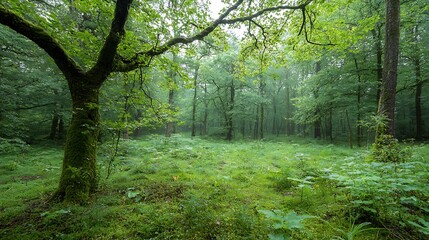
(266, 10)
(134, 63)
(30, 107)
(39, 36)
(105, 61)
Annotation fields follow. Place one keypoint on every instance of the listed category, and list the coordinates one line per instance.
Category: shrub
(14, 145)
(386, 149)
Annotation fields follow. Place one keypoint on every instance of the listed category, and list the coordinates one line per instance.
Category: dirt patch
(27, 178)
(162, 191)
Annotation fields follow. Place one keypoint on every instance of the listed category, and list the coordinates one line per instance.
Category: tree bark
(256, 124)
(419, 85)
(206, 112)
(54, 126)
(275, 127)
(171, 124)
(318, 122)
(229, 113)
(79, 176)
(386, 104)
(288, 112)
(379, 57)
(194, 100)
(359, 106)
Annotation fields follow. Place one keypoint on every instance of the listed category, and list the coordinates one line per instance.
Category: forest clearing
(200, 119)
(183, 188)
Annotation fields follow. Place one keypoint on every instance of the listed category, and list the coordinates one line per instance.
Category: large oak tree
(79, 176)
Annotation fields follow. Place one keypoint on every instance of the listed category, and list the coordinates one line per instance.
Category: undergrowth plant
(386, 194)
(353, 231)
(386, 147)
(284, 225)
(184, 188)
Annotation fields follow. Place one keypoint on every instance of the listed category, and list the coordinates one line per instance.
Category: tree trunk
(288, 112)
(359, 106)
(262, 84)
(261, 128)
(256, 124)
(171, 125)
(419, 119)
(419, 85)
(61, 127)
(379, 57)
(349, 126)
(194, 100)
(386, 105)
(206, 112)
(54, 126)
(328, 125)
(230, 108)
(318, 122)
(79, 175)
(275, 129)
(317, 128)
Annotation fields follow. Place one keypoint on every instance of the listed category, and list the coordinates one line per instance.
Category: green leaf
(293, 220)
(277, 236)
(132, 194)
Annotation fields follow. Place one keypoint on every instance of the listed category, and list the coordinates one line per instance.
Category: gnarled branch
(39, 36)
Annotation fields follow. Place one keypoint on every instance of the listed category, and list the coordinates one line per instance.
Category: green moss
(184, 189)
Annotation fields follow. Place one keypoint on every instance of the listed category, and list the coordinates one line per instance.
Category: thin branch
(134, 62)
(31, 107)
(304, 29)
(266, 10)
(163, 48)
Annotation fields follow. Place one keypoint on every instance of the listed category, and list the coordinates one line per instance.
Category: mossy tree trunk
(387, 99)
(78, 178)
(79, 174)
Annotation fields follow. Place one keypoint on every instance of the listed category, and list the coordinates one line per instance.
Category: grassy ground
(182, 188)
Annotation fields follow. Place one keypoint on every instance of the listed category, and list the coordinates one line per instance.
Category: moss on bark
(79, 173)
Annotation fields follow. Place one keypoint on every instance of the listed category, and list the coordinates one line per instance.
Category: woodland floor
(183, 188)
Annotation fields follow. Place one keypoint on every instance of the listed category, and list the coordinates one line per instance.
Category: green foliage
(384, 193)
(193, 188)
(387, 149)
(13, 146)
(353, 231)
(422, 225)
(284, 224)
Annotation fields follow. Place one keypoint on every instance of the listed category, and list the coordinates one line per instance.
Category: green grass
(183, 188)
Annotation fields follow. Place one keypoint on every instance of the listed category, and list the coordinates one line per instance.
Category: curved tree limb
(39, 36)
(133, 63)
(105, 61)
